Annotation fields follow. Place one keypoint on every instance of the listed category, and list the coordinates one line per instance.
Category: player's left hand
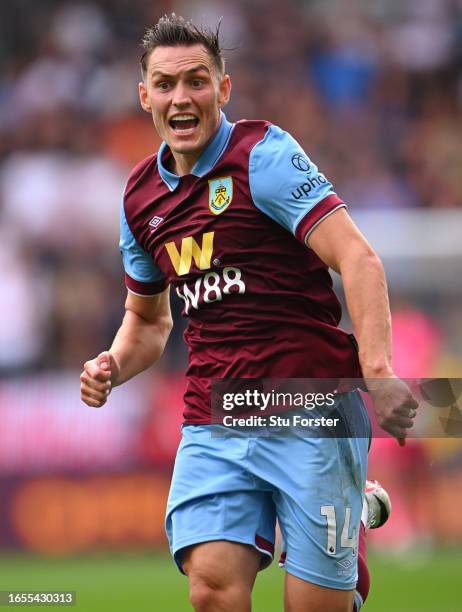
(394, 405)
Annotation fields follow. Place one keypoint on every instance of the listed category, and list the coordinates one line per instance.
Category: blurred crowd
(372, 89)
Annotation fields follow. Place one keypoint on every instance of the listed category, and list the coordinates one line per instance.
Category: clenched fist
(97, 378)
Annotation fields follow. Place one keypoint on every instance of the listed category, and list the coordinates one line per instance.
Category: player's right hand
(96, 379)
(395, 406)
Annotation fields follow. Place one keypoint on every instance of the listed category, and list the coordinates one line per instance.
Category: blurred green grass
(150, 582)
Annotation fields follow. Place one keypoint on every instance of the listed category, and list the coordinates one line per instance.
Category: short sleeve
(142, 276)
(287, 186)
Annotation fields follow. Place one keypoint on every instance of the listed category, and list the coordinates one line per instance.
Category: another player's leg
(221, 576)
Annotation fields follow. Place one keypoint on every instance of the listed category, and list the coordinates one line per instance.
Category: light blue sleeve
(138, 264)
(284, 183)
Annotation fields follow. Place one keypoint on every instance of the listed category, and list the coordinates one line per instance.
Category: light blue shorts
(230, 485)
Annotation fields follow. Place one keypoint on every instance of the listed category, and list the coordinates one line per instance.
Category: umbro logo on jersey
(220, 194)
(155, 221)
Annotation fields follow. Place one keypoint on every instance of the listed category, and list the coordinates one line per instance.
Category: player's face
(184, 94)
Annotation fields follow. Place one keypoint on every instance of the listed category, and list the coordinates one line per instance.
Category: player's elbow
(365, 260)
(165, 325)
(371, 260)
(161, 328)
(155, 338)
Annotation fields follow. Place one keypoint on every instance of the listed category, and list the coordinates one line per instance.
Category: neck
(183, 164)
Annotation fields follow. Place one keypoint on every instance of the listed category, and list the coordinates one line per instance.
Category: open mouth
(182, 123)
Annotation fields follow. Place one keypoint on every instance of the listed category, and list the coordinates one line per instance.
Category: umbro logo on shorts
(345, 563)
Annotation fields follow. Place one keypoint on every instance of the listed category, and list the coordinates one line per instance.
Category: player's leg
(303, 596)
(319, 501)
(364, 579)
(221, 575)
(376, 512)
(220, 520)
(321, 531)
(299, 592)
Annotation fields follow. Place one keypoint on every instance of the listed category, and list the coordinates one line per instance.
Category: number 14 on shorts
(346, 541)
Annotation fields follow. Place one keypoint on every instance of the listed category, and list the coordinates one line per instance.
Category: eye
(197, 83)
(163, 85)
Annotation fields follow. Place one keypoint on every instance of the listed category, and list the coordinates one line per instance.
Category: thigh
(320, 484)
(213, 497)
(221, 575)
(222, 564)
(302, 596)
(319, 513)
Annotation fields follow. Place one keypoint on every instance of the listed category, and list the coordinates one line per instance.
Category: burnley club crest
(220, 194)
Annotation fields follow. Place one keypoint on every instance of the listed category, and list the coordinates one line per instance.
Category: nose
(181, 97)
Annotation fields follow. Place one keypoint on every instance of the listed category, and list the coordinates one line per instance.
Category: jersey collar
(206, 161)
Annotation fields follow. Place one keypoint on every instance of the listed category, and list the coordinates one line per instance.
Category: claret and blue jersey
(231, 240)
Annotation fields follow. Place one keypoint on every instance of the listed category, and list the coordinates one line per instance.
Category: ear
(144, 99)
(225, 91)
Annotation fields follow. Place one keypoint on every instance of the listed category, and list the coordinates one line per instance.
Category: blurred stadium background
(373, 90)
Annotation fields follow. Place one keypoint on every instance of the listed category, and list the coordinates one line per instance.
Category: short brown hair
(173, 30)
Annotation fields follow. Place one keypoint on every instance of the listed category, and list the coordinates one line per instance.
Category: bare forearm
(367, 299)
(339, 243)
(138, 344)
